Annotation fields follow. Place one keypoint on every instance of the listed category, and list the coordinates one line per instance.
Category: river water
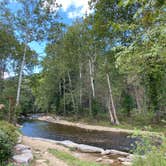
(104, 139)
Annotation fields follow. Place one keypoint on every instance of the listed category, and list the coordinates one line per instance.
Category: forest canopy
(109, 65)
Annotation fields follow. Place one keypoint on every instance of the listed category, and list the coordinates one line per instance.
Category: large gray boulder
(23, 154)
(23, 158)
(89, 149)
(68, 144)
(115, 152)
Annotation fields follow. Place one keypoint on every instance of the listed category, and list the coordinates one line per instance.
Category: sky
(74, 8)
(70, 10)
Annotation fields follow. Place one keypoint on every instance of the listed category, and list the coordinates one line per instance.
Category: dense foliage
(110, 65)
(8, 138)
(153, 155)
(113, 62)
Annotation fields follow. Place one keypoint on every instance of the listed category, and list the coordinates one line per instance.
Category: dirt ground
(43, 158)
(41, 155)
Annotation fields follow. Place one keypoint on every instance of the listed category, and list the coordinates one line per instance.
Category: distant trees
(111, 61)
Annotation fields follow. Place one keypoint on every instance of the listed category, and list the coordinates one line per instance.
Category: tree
(145, 58)
(30, 22)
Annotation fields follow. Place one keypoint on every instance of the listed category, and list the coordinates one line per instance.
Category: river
(104, 139)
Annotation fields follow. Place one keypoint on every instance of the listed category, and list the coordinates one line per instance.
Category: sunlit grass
(71, 160)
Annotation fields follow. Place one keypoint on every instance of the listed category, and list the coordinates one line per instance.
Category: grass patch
(71, 160)
(154, 155)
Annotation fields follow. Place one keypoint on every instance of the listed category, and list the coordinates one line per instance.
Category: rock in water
(68, 144)
(89, 149)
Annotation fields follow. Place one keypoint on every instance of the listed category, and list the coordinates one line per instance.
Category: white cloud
(75, 8)
(6, 75)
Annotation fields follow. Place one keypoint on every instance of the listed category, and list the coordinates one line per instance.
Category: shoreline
(40, 148)
(94, 127)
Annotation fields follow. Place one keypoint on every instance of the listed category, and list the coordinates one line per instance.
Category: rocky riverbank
(40, 147)
(41, 156)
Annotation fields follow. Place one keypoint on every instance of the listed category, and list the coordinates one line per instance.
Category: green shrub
(5, 147)
(96, 107)
(8, 138)
(155, 154)
(10, 130)
(155, 157)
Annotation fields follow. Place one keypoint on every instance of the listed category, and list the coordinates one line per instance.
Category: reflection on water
(106, 140)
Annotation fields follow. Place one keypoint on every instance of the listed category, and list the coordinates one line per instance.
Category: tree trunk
(60, 88)
(80, 68)
(91, 72)
(137, 97)
(64, 97)
(72, 96)
(2, 75)
(112, 106)
(90, 104)
(20, 76)
(110, 111)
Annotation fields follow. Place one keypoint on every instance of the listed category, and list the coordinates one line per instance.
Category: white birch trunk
(80, 67)
(112, 106)
(64, 96)
(20, 77)
(91, 72)
(110, 111)
(72, 96)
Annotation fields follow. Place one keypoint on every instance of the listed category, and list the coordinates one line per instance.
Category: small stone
(99, 159)
(127, 163)
(21, 147)
(106, 152)
(105, 157)
(37, 152)
(131, 156)
(41, 161)
(19, 139)
(26, 151)
(117, 152)
(109, 161)
(122, 159)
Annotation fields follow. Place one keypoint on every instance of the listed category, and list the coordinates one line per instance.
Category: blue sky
(70, 10)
